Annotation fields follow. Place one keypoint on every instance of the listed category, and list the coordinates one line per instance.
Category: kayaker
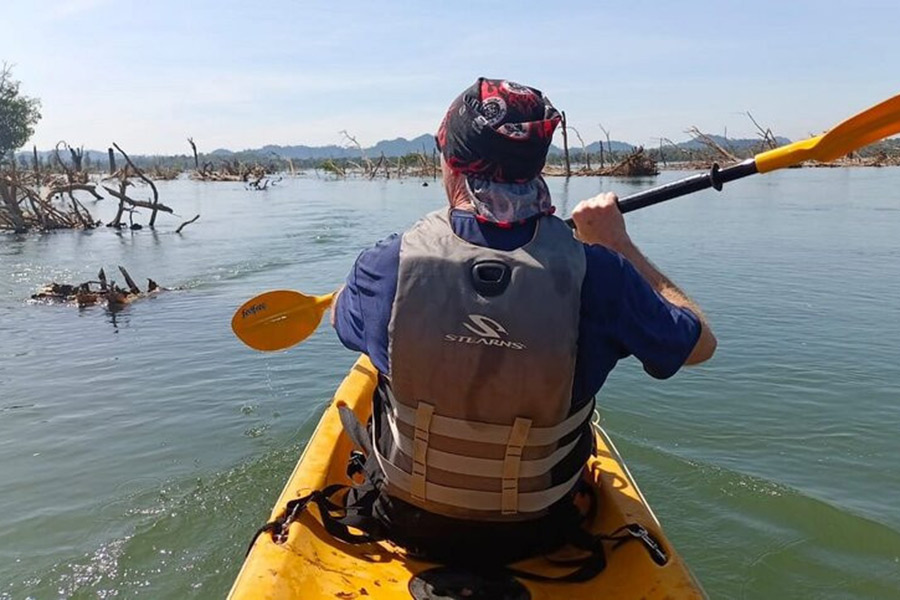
(493, 328)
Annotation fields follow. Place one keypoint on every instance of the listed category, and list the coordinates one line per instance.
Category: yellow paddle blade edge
(869, 126)
(279, 319)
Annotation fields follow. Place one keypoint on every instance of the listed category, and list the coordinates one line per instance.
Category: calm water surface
(139, 451)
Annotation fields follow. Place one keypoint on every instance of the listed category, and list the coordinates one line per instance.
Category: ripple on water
(764, 529)
(183, 534)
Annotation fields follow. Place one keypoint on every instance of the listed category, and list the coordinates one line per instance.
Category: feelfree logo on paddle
(252, 310)
(488, 332)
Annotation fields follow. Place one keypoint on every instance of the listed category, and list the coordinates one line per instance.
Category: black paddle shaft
(715, 179)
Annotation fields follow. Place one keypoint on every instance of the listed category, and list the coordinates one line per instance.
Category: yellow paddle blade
(876, 123)
(279, 319)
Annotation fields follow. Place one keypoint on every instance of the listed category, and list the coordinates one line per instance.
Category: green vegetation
(18, 113)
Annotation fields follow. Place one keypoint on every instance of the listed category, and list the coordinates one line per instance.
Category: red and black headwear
(497, 134)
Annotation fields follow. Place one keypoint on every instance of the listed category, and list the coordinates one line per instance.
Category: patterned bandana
(497, 134)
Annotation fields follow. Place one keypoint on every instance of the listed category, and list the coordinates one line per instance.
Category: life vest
(477, 416)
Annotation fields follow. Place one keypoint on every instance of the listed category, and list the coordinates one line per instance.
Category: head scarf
(496, 134)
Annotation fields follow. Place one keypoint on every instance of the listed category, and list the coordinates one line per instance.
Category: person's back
(493, 328)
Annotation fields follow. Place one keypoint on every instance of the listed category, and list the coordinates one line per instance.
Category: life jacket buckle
(357, 463)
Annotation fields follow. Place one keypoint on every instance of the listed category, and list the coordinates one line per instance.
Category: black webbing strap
(336, 518)
(592, 565)
(355, 508)
(586, 568)
(355, 430)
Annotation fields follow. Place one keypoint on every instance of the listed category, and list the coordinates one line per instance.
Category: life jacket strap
(424, 414)
(477, 500)
(479, 467)
(509, 486)
(490, 433)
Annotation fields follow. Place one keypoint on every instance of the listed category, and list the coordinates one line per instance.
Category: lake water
(139, 451)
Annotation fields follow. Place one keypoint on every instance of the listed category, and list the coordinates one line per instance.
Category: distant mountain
(92, 155)
(593, 147)
(735, 143)
(396, 147)
(402, 146)
(390, 148)
(305, 152)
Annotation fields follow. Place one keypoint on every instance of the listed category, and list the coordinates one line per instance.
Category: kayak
(311, 564)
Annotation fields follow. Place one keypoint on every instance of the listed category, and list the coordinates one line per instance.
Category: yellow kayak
(311, 564)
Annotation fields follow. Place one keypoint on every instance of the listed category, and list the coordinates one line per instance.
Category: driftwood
(636, 164)
(90, 293)
(233, 170)
(132, 286)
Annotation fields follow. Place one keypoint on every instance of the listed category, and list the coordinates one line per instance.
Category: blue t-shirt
(621, 315)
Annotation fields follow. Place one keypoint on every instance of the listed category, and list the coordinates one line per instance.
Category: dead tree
(566, 145)
(131, 202)
(354, 143)
(585, 155)
(194, 150)
(608, 145)
(710, 143)
(36, 165)
(155, 206)
(662, 154)
(768, 138)
(13, 217)
(378, 166)
(23, 208)
(77, 157)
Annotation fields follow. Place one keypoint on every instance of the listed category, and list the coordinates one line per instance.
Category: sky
(239, 75)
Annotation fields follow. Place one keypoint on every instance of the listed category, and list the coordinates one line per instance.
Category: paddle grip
(715, 178)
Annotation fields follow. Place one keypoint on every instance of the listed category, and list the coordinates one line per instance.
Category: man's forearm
(599, 221)
(706, 344)
(658, 281)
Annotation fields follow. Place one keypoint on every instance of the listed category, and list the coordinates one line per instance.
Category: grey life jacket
(477, 415)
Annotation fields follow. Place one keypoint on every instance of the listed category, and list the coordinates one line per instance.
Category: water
(140, 450)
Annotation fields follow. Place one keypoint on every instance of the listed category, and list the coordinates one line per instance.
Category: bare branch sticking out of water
(183, 225)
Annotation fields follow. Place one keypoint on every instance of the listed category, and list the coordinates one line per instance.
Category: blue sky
(232, 74)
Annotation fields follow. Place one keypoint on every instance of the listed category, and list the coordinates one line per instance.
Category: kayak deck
(311, 564)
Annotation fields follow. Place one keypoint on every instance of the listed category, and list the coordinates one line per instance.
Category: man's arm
(362, 308)
(598, 221)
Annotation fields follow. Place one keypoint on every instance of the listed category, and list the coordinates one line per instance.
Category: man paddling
(492, 328)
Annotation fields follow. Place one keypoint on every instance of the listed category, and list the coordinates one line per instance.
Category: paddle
(871, 125)
(279, 319)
